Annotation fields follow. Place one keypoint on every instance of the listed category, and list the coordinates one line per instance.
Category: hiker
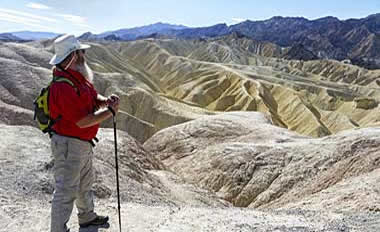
(80, 109)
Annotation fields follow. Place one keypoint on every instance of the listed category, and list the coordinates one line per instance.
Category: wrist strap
(112, 111)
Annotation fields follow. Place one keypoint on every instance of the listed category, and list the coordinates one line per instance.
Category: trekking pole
(116, 164)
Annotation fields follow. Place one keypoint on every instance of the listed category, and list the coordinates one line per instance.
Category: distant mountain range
(326, 38)
(27, 36)
(7, 37)
(134, 33)
(31, 35)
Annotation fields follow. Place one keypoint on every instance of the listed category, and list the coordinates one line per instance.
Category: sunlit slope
(234, 49)
(142, 96)
(24, 70)
(167, 82)
(314, 98)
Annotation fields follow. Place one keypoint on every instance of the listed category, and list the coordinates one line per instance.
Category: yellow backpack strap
(63, 79)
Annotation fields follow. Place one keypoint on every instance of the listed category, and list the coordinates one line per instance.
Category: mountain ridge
(34, 35)
(327, 37)
(9, 37)
(135, 32)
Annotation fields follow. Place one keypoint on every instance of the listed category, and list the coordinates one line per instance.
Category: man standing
(78, 109)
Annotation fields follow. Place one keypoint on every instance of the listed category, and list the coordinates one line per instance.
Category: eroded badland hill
(214, 135)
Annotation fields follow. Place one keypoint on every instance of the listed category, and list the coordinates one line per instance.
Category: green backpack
(41, 106)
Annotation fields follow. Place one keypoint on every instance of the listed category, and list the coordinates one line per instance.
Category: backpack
(41, 106)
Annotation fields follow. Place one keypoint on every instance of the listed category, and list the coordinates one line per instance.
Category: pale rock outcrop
(28, 53)
(14, 115)
(251, 163)
(20, 83)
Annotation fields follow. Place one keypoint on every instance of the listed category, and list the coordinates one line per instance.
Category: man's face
(81, 65)
(80, 57)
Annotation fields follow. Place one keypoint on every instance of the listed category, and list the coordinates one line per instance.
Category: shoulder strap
(63, 79)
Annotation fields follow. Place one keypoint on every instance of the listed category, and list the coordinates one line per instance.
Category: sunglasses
(81, 50)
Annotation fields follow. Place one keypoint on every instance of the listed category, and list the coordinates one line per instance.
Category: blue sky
(79, 16)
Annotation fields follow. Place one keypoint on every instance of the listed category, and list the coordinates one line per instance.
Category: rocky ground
(158, 196)
(142, 217)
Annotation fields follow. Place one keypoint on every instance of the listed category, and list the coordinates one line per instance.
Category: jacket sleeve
(98, 102)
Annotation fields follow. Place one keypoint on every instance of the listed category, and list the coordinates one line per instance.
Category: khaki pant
(73, 174)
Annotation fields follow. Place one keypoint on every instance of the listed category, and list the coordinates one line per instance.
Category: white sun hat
(63, 46)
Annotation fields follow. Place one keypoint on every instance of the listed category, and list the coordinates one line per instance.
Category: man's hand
(113, 101)
(112, 98)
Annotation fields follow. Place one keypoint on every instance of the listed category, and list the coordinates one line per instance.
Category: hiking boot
(98, 221)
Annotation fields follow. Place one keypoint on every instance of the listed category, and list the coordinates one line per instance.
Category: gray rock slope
(251, 163)
(154, 198)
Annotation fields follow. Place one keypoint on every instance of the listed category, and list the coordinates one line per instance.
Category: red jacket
(65, 101)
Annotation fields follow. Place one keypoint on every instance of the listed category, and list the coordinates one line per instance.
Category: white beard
(86, 71)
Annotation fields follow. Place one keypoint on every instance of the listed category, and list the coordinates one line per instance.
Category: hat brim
(58, 59)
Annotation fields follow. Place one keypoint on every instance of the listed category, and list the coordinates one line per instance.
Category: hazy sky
(79, 16)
